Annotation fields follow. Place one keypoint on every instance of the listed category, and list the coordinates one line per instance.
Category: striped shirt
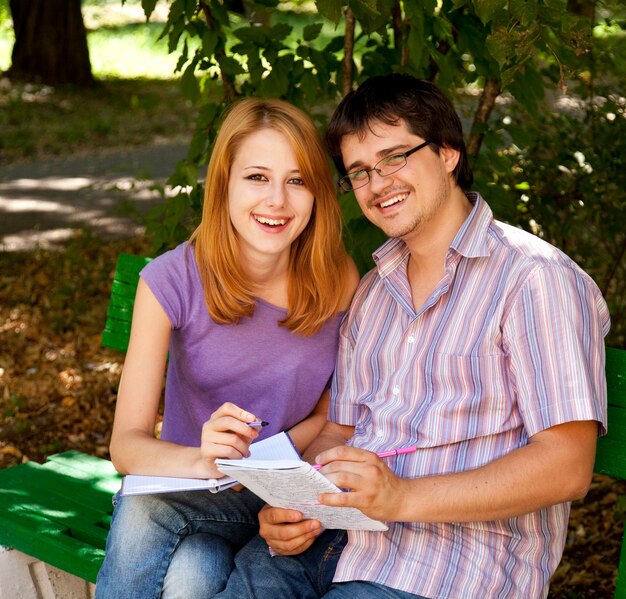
(509, 343)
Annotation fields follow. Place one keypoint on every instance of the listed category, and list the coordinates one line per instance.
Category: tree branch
(348, 51)
(485, 106)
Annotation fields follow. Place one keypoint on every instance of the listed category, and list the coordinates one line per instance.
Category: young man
(473, 340)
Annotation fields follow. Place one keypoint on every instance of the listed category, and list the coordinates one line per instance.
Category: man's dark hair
(389, 99)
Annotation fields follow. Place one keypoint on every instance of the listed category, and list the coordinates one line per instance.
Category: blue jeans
(308, 575)
(198, 533)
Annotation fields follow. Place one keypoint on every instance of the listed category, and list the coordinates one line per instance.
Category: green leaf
(487, 9)
(230, 66)
(528, 88)
(189, 83)
(276, 83)
(219, 12)
(335, 44)
(253, 34)
(310, 32)
(148, 7)
(331, 9)
(525, 11)
(182, 59)
(210, 39)
(309, 85)
(369, 16)
(416, 43)
(190, 8)
(442, 29)
(280, 31)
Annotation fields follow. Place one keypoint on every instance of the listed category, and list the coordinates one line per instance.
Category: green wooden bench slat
(611, 451)
(123, 291)
(120, 327)
(80, 464)
(114, 340)
(616, 367)
(59, 512)
(120, 311)
(52, 543)
(49, 481)
(33, 490)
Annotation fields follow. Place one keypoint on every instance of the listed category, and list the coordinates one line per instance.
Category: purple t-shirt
(265, 368)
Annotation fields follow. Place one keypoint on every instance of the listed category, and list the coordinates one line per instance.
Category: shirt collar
(470, 240)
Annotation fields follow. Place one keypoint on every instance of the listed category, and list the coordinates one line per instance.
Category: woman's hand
(227, 434)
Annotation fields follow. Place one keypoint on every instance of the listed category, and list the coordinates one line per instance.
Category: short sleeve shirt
(257, 364)
(509, 343)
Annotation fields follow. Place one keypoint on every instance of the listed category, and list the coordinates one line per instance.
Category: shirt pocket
(466, 397)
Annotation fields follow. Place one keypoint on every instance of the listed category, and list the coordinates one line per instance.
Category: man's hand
(286, 532)
(371, 486)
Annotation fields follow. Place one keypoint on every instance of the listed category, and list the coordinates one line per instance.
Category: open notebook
(276, 447)
(294, 484)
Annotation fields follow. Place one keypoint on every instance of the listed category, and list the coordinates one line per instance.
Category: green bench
(60, 512)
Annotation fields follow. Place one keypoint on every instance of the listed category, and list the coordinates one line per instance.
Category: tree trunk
(50, 43)
(348, 52)
(491, 91)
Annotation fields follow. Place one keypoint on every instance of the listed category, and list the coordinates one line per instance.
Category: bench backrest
(611, 452)
(116, 331)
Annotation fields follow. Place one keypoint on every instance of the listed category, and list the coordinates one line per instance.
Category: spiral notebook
(276, 447)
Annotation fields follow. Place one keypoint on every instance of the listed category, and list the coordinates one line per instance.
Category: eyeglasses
(386, 166)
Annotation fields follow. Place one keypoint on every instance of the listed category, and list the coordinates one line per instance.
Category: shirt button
(396, 390)
(411, 339)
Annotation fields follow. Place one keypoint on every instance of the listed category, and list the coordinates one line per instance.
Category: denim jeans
(305, 576)
(258, 575)
(198, 533)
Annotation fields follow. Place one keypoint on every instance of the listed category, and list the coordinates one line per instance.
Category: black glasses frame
(346, 183)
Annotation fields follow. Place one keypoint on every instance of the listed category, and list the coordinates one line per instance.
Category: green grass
(40, 121)
(6, 44)
(130, 51)
(137, 99)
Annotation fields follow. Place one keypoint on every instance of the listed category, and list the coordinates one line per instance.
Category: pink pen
(385, 454)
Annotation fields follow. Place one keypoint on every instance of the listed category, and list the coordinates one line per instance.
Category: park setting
(109, 110)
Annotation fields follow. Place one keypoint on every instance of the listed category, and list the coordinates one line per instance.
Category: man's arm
(556, 466)
(284, 530)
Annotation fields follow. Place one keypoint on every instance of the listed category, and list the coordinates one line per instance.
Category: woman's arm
(303, 433)
(134, 448)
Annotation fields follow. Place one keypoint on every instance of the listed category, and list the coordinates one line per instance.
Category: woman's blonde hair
(318, 259)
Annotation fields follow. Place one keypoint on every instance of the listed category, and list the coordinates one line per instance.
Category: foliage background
(539, 83)
(550, 159)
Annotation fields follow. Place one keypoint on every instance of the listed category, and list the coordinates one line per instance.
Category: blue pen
(258, 424)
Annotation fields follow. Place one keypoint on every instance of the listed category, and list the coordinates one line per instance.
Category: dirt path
(43, 202)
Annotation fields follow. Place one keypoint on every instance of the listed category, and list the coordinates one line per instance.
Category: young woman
(248, 312)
